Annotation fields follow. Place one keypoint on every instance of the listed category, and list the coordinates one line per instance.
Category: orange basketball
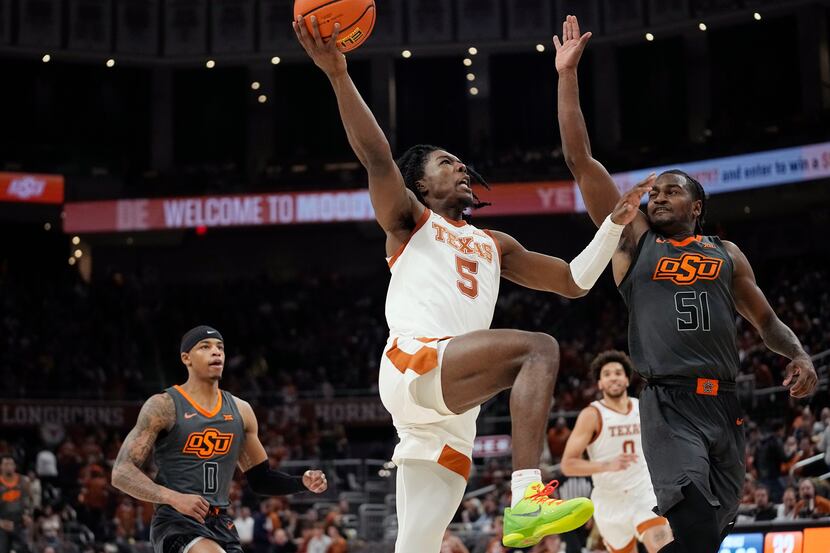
(356, 18)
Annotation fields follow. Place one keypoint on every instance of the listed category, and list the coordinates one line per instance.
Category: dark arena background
(171, 162)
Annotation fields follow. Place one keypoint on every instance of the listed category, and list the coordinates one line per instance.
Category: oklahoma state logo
(10, 496)
(688, 268)
(208, 443)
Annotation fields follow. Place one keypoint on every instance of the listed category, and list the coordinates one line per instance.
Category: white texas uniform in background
(623, 500)
(445, 282)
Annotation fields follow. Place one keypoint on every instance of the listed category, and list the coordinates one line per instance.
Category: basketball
(356, 18)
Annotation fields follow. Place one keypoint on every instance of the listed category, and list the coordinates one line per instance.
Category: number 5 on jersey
(467, 284)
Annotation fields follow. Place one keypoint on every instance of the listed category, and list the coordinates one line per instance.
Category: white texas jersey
(445, 280)
(618, 433)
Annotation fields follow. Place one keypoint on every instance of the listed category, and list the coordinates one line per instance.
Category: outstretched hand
(324, 53)
(569, 51)
(629, 205)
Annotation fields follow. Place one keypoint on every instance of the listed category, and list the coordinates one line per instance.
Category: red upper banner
(288, 208)
(31, 188)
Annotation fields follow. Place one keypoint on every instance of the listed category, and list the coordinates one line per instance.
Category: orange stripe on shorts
(422, 361)
(651, 523)
(455, 461)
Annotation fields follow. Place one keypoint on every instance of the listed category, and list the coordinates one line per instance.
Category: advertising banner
(31, 188)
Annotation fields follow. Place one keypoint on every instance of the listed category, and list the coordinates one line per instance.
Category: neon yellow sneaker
(538, 515)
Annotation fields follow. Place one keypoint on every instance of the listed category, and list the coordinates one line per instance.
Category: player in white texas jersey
(442, 361)
(609, 430)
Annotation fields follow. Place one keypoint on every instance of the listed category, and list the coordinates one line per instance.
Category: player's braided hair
(412, 162)
(697, 194)
(611, 356)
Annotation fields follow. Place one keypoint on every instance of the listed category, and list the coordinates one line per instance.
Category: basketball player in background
(441, 361)
(15, 506)
(682, 290)
(609, 430)
(198, 434)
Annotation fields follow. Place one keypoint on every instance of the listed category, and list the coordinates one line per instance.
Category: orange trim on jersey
(423, 361)
(498, 246)
(628, 412)
(458, 224)
(421, 222)
(10, 484)
(455, 461)
(651, 523)
(208, 414)
(630, 547)
(429, 340)
(599, 429)
(685, 242)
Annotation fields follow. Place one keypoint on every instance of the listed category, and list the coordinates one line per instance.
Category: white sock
(519, 482)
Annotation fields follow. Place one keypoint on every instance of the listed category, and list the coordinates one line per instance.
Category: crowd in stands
(116, 338)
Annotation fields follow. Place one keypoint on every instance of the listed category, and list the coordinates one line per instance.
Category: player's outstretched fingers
(315, 32)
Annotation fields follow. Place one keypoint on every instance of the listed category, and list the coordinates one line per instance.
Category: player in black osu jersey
(198, 434)
(682, 290)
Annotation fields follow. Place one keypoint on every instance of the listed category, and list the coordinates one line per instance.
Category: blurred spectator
(319, 541)
(244, 523)
(126, 520)
(452, 543)
(283, 542)
(769, 458)
(787, 509)
(46, 466)
(549, 544)
(557, 438)
(338, 542)
(811, 505)
(764, 510)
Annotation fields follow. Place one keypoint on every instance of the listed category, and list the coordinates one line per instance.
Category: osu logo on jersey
(207, 443)
(688, 268)
(10, 496)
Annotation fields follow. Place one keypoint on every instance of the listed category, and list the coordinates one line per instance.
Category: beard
(614, 395)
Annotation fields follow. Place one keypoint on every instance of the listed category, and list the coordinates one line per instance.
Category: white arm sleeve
(587, 267)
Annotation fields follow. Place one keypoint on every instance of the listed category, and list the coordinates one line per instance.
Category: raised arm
(753, 306)
(253, 461)
(595, 183)
(572, 280)
(396, 207)
(157, 414)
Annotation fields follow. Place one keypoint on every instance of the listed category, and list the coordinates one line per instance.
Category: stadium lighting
(702, 26)
(78, 253)
(255, 85)
(757, 16)
(406, 54)
(210, 64)
(76, 240)
(111, 62)
(71, 260)
(262, 98)
(649, 37)
(474, 91)
(47, 226)
(471, 77)
(46, 58)
(472, 50)
(468, 62)
(540, 47)
(275, 60)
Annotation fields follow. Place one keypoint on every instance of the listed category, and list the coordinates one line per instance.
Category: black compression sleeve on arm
(265, 481)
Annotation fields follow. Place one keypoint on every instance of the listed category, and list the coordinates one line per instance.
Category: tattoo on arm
(157, 414)
(781, 339)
